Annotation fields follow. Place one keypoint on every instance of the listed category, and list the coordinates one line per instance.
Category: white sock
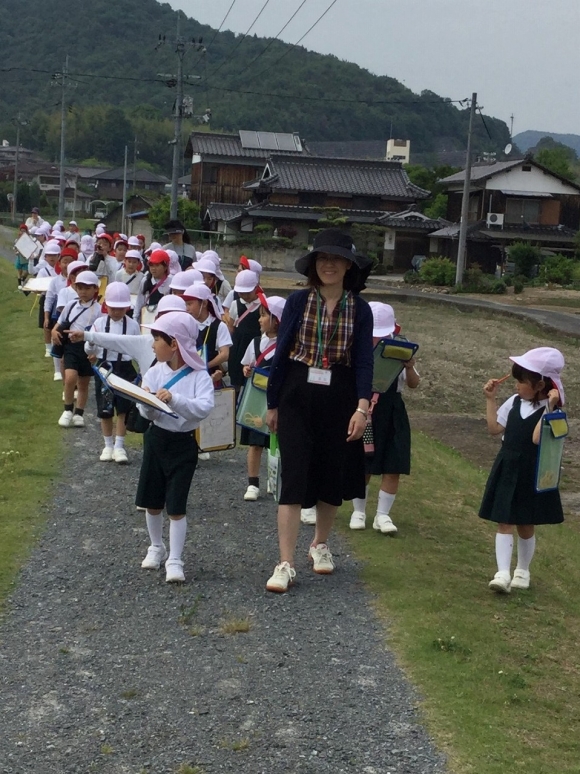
(155, 528)
(177, 530)
(48, 347)
(503, 551)
(385, 503)
(120, 442)
(57, 363)
(526, 550)
(359, 504)
(108, 441)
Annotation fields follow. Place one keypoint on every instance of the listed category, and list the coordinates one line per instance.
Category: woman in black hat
(180, 243)
(318, 396)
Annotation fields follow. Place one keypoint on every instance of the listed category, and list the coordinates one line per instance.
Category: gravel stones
(106, 668)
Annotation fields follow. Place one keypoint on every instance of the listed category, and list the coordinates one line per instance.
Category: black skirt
(392, 436)
(317, 462)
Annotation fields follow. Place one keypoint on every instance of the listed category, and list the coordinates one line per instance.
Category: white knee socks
(177, 530)
(359, 504)
(155, 528)
(503, 551)
(57, 364)
(526, 550)
(385, 503)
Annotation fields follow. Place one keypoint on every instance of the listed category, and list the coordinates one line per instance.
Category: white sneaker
(120, 456)
(174, 571)
(322, 561)
(47, 352)
(156, 555)
(500, 583)
(252, 493)
(106, 454)
(78, 420)
(57, 377)
(203, 456)
(308, 515)
(282, 578)
(66, 419)
(358, 520)
(521, 579)
(383, 523)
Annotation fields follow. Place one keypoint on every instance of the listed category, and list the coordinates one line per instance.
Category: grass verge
(498, 675)
(31, 444)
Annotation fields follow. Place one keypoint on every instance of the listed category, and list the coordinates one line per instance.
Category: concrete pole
(178, 117)
(123, 208)
(15, 188)
(465, 200)
(62, 187)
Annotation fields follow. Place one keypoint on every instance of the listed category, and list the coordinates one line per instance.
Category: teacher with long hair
(318, 396)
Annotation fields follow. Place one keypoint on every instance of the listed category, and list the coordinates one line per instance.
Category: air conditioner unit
(495, 219)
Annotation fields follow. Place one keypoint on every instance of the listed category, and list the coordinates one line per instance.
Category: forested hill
(284, 89)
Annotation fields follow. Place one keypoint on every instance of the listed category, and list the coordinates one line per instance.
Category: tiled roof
(212, 144)
(411, 219)
(351, 149)
(265, 210)
(351, 177)
(482, 172)
(510, 231)
(219, 211)
(141, 176)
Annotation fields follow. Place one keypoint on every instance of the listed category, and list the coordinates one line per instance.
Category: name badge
(319, 376)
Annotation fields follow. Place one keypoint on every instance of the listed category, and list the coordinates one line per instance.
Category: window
(527, 168)
(473, 212)
(210, 174)
(522, 211)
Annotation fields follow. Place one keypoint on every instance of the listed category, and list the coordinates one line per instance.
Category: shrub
(525, 258)
(508, 280)
(558, 269)
(518, 285)
(412, 278)
(438, 271)
(263, 229)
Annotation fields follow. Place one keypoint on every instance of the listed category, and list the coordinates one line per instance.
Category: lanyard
(323, 359)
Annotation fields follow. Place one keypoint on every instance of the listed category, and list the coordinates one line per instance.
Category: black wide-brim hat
(174, 227)
(335, 242)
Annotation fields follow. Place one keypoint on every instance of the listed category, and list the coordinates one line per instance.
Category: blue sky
(520, 56)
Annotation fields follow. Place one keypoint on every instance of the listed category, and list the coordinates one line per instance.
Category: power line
(293, 46)
(271, 43)
(216, 32)
(239, 43)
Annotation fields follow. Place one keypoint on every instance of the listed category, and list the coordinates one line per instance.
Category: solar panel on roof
(249, 139)
(286, 142)
(267, 140)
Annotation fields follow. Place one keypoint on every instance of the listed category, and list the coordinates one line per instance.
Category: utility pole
(61, 79)
(19, 123)
(134, 164)
(124, 205)
(181, 45)
(465, 200)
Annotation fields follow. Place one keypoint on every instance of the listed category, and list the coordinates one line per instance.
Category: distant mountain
(248, 83)
(530, 138)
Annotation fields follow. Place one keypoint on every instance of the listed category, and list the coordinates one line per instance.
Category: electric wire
(209, 45)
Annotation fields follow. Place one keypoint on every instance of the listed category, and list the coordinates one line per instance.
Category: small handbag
(368, 435)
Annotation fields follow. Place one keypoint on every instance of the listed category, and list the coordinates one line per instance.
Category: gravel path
(106, 668)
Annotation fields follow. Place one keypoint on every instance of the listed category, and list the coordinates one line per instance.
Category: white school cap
(211, 255)
(184, 329)
(200, 291)
(383, 319)
(117, 295)
(182, 280)
(246, 281)
(134, 242)
(174, 265)
(546, 361)
(170, 304)
(206, 266)
(197, 275)
(133, 254)
(88, 278)
(72, 223)
(52, 247)
(87, 243)
(274, 304)
(152, 247)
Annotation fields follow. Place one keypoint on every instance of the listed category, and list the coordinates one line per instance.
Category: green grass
(31, 447)
(498, 675)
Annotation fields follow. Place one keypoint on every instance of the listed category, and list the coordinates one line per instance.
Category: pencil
(503, 378)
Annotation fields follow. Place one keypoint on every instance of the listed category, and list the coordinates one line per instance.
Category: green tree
(557, 160)
(437, 207)
(187, 212)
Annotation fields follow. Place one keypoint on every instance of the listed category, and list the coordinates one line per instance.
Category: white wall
(534, 181)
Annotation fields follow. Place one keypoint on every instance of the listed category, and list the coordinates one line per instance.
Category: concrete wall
(278, 260)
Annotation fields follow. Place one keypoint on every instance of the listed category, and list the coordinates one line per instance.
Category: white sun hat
(246, 281)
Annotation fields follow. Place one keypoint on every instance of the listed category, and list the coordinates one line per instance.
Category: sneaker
(66, 419)
(174, 571)
(106, 454)
(156, 555)
(322, 561)
(252, 493)
(47, 353)
(57, 377)
(383, 523)
(120, 456)
(140, 508)
(78, 420)
(308, 515)
(282, 578)
(358, 520)
(500, 583)
(203, 456)
(521, 580)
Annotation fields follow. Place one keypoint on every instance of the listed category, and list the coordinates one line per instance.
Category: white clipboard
(147, 318)
(28, 246)
(217, 431)
(131, 391)
(37, 284)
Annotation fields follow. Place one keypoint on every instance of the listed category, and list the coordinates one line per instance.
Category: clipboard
(131, 391)
(390, 356)
(217, 432)
(28, 246)
(549, 464)
(38, 285)
(147, 318)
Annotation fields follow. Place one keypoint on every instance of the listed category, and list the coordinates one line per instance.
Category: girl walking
(510, 498)
(391, 433)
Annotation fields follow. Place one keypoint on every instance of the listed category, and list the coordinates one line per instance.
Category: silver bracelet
(362, 411)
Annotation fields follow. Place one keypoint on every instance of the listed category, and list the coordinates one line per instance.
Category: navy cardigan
(361, 353)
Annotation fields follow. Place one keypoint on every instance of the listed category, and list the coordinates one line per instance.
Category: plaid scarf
(337, 333)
